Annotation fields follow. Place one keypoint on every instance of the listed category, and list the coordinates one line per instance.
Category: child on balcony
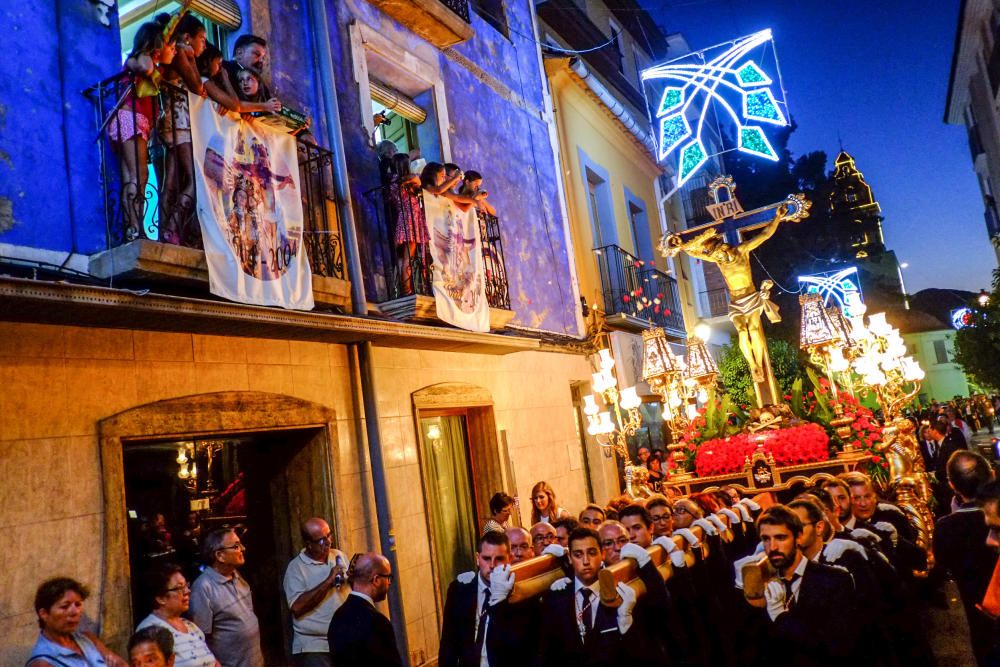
(410, 235)
(130, 124)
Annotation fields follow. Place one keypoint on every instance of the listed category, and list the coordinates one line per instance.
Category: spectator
(359, 635)
(171, 598)
(501, 506)
(543, 504)
(221, 603)
(249, 53)
(411, 235)
(471, 187)
(315, 587)
(59, 607)
(564, 527)
(152, 647)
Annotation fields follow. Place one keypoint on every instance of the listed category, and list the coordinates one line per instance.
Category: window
(492, 12)
(602, 219)
(639, 224)
(941, 352)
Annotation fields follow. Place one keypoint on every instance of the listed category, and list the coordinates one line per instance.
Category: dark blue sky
(876, 71)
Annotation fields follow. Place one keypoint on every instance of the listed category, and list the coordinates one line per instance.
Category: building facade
(130, 392)
(971, 100)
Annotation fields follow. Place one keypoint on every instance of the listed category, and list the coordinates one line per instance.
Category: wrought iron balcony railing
(626, 285)
(148, 180)
(714, 302)
(408, 267)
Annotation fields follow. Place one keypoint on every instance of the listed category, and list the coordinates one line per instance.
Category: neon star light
(840, 287)
(727, 76)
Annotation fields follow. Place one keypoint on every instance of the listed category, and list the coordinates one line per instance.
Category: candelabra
(611, 435)
(681, 382)
(879, 360)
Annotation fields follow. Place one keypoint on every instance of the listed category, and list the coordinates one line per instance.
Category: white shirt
(363, 596)
(304, 574)
(800, 570)
(850, 523)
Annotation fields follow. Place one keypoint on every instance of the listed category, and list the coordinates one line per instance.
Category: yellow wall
(583, 123)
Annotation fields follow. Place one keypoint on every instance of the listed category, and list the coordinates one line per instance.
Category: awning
(225, 13)
(396, 101)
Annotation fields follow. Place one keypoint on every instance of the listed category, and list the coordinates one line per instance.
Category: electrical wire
(777, 284)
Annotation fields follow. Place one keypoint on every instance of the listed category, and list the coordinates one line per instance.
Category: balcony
(156, 237)
(443, 23)
(407, 268)
(975, 143)
(624, 286)
(714, 303)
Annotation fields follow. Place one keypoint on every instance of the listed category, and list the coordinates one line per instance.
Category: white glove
(556, 550)
(560, 584)
(865, 534)
(635, 552)
(717, 522)
(466, 577)
(886, 507)
(501, 583)
(738, 566)
(759, 550)
(676, 555)
(705, 525)
(749, 504)
(625, 609)
(887, 527)
(838, 547)
(689, 536)
(774, 595)
(745, 512)
(734, 518)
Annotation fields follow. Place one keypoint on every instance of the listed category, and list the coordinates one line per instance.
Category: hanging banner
(250, 211)
(456, 248)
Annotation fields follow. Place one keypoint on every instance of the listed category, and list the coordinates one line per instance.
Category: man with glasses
(315, 586)
(359, 635)
(520, 545)
(542, 535)
(221, 604)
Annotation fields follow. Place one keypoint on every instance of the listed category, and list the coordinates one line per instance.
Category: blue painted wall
(49, 160)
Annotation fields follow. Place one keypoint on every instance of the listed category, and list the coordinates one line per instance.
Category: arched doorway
(263, 462)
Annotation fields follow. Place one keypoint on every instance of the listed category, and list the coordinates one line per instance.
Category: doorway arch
(219, 414)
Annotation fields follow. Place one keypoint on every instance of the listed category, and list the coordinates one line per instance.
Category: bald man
(315, 587)
(359, 634)
(542, 535)
(520, 545)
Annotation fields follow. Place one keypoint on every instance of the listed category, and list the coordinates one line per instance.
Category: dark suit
(360, 635)
(508, 630)
(561, 644)
(805, 634)
(960, 548)
(953, 441)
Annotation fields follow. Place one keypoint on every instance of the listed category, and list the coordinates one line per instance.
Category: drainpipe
(342, 190)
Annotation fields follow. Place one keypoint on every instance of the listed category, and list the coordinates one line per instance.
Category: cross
(730, 218)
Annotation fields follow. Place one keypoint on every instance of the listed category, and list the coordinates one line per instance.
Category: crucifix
(721, 242)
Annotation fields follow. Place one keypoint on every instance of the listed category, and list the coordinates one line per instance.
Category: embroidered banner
(458, 279)
(250, 211)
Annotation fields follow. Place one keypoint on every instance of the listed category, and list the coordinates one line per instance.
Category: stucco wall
(59, 382)
(942, 382)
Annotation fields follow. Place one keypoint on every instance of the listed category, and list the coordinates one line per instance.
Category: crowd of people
(171, 56)
(405, 177)
(839, 569)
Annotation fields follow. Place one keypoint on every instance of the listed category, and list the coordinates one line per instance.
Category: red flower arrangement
(804, 443)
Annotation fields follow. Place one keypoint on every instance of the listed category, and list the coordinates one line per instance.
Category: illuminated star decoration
(733, 80)
(840, 286)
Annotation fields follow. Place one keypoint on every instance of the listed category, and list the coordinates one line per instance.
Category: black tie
(586, 614)
(789, 597)
(481, 630)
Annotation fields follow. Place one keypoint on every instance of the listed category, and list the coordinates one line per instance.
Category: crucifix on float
(731, 253)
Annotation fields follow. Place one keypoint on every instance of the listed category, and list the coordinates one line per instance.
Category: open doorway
(261, 484)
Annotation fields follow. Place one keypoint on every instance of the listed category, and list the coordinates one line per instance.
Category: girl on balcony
(128, 129)
(410, 236)
(178, 204)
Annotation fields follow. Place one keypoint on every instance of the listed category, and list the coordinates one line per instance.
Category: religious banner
(249, 209)
(456, 248)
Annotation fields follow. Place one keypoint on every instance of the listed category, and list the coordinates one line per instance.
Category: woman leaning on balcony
(177, 198)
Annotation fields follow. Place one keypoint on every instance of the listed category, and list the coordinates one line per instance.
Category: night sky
(876, 72)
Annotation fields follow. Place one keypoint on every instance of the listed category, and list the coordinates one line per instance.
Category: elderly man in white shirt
(315, 587)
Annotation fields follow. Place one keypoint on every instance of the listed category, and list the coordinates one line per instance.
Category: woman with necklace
(171, 598)
(59, 605)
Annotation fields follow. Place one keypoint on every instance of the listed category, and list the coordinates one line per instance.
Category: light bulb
(194, 470)
(590, 405)
(598, 383)
(607, 361)
(703, 332)
(606, 425)
(629, 399)
(691, 411)
(182, 455)
(183, 472)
